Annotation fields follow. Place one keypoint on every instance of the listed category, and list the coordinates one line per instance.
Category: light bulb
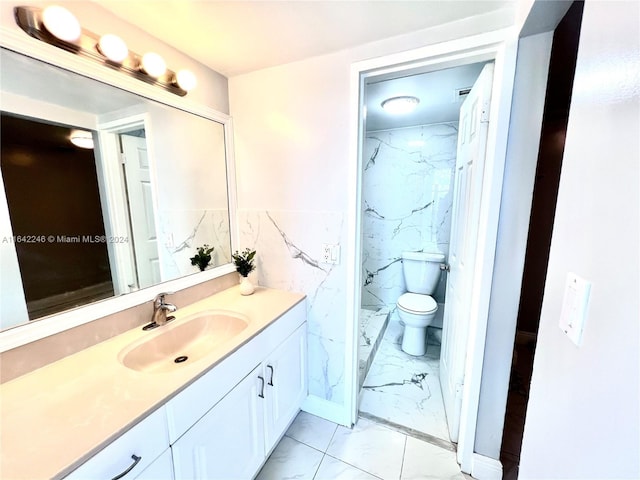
(81, 138)
(186, 80)
(113, 47)
(153, 64)
(61, 23)
(400, 105)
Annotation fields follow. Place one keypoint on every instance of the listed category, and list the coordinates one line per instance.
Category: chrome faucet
(160, 309)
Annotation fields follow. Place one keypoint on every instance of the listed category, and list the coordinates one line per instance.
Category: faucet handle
(159, 300)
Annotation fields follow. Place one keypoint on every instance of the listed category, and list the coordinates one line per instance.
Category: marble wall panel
(407, 195)
(288, 245)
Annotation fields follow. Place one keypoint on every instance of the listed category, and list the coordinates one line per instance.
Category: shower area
(407, 195)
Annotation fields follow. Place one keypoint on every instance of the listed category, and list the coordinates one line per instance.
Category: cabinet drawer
(146, 441)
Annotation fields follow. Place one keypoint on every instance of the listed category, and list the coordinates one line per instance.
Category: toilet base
(414, 340)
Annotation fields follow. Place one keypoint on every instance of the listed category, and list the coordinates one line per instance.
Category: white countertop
(56, 417)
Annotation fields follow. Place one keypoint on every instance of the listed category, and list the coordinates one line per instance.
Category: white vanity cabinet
(233, 439)
(225, 423)
(132, 454)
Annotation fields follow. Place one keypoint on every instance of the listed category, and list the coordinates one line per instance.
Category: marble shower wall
(288, 252)
(407, 195)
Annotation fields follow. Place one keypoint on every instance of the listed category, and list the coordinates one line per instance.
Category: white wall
(583, 415)
(520, 168)
(212, 87)
(292, 156)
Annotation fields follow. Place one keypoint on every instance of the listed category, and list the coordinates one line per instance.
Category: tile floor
(316, 449)
(404, 389)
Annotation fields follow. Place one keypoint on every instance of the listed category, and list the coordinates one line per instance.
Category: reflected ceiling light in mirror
(113, 47)
(81, 138)
(61, 23)
(400, 105)
(57, 26)
(186, 80)
(153, 64)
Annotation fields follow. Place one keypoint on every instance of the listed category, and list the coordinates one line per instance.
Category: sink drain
(180, 359)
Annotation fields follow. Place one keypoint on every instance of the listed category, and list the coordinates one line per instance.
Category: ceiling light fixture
(400, 105)
(81, 138)
(57, 26)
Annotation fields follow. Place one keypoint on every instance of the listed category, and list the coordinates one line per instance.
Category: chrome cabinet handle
(271, 379)
(261, 394)
(136, 459)
(445, 267)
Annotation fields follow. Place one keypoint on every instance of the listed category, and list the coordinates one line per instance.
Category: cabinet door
(160, 469)
(228, 442)
(285, 372)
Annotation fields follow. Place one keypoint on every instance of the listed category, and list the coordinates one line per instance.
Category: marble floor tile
(333, 469)
(291, 460)
(370, 447)
(423, 461)
(404, 389)
(311, 430)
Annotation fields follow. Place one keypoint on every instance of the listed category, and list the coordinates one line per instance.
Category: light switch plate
(574, 307)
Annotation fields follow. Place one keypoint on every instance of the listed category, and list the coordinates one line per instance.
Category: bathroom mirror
(127, 212)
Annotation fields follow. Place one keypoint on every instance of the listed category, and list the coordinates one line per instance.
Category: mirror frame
(19, 42)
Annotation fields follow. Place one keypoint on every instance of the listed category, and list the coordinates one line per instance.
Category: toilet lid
(417, 303)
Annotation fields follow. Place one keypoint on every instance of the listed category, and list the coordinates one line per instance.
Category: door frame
(501, 47)
(113, 193)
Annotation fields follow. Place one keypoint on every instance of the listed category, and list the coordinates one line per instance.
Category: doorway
(562, 64)
(407, 204)
(472, 50)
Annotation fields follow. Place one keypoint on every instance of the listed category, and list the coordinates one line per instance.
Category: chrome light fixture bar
(58, 27)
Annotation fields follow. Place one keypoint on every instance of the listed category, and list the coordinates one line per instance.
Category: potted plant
(203, 257)
(244, 266)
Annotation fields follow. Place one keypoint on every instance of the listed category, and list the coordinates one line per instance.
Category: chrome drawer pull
(135, 459)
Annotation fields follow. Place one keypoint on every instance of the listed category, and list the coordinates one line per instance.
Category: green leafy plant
(244, 261)
(203, 257)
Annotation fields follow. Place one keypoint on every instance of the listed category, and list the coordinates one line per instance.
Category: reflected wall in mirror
(79, 225)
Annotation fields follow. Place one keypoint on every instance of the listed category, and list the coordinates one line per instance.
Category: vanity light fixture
(400, 105)
(113, 47)
(61, 23)
(57, 26)
(186, 80)
(153, 64)
(81, 138)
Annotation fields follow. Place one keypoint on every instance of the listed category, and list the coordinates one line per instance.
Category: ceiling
(437, 92)
(235, 37)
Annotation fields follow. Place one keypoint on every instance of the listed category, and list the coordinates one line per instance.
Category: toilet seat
(417, 303)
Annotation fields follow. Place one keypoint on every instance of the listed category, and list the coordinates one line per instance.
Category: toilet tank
(421, 271)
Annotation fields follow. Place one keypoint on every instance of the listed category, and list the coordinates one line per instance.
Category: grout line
(425, 437)
(404, 453)
(332, 437)
(318, 467)
(300, 441)
(354, 466)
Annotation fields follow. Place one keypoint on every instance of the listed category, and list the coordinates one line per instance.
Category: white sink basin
(182, 342)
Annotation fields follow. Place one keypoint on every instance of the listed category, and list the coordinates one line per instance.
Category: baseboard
(326, 409)
(485, 468)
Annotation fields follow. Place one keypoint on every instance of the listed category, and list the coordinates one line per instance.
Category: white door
(228, 442)
(138, 179)
(467, 193)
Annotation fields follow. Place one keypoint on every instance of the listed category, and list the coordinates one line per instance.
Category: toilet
(417, 308)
